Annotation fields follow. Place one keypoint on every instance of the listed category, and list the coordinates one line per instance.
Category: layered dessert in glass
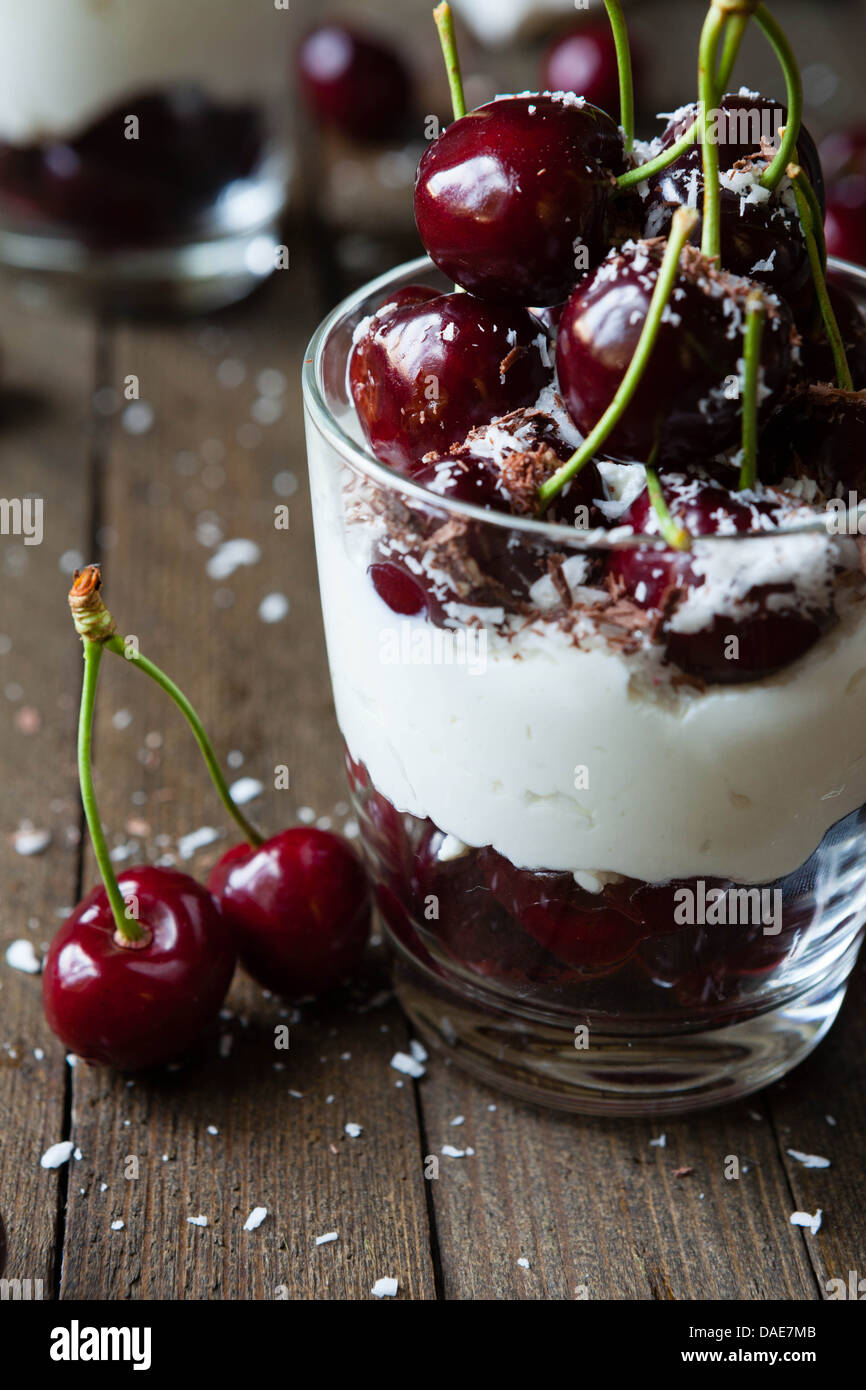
(602, 676)
(143, 147)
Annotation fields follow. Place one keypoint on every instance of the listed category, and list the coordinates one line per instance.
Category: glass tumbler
(143, 153)
(603, 889)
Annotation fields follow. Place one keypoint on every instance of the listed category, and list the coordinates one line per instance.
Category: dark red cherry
(815, 355)
(299, 907)
(759, 239)
(355, 82)
(575, 926)
(819, 433)
(687, 405)
(745, 117)
(399, 588)
(465, 477)
(511, 200)
(772, 624)
(136, 1006)
(845, 222)
(423, 374)
(583, 61)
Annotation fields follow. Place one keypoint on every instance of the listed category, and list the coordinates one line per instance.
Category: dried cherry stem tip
(444, 21)
(89, 614)
(682, 224)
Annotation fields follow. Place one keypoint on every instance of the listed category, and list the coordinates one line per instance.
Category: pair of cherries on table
(143, 963)
(296, 911)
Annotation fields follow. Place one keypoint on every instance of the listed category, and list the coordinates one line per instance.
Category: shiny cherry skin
(423, 373)
(583, 61)
(133, 1007)
(775, 628)
(762, 240)
(680, 407)
(355, 82)
(299, 907)
(506, 197)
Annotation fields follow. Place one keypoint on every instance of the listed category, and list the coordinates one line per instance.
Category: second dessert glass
(143, 153)
(606, 887)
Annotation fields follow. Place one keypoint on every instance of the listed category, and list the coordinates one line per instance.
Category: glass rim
(846, 273)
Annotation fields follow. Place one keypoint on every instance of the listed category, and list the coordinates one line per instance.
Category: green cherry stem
(444, 21)
(676, 535)
(733, 38)
(751, 382)
(623, 67)
(799, 183)
(798, 176)
(251, 835)
(95, 625)
(707, 62)
(794, 86)
(128, 932)
(684, 220)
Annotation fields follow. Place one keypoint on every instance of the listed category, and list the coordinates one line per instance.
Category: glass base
(537, 1057)
(193, 277)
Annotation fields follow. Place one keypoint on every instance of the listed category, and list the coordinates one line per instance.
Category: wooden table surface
(595, 1207)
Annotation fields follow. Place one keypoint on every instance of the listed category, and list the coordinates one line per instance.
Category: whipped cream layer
(739, 782)
(65, 62)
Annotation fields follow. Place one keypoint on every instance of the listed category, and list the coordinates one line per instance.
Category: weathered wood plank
(595, 1205)
(207, 462)
(45, 448)
(830, 1083)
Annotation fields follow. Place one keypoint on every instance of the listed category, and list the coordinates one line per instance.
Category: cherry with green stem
(298, 904)
(141, 966)
(683, 222)
(752, 339)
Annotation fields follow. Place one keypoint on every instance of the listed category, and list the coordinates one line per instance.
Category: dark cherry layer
(542, 936)
(509, 198)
